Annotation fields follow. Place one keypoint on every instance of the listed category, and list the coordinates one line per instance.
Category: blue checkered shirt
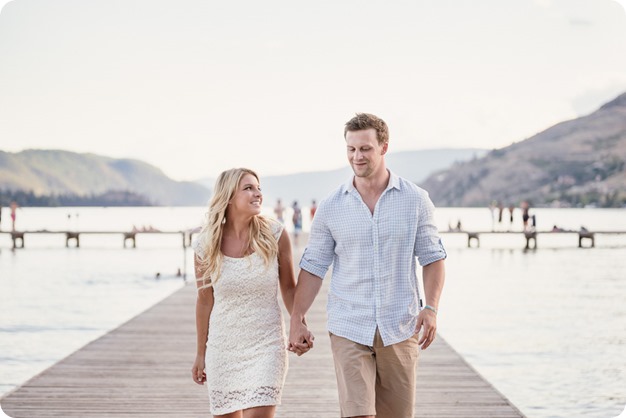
(374, 281)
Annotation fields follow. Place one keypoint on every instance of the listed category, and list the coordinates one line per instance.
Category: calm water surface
(547, 328)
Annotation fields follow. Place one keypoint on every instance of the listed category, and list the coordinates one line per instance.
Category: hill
(574, 163)
(55, 172)
(303, 187)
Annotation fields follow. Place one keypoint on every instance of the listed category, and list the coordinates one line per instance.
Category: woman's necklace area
(235, 247)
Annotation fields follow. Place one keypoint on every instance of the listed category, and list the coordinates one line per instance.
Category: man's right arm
(316, 259)
(300, 338)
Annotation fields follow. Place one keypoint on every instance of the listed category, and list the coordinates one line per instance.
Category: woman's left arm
(286, 275)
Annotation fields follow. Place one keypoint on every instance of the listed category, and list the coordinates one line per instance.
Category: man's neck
(371, 188)
(373, 185)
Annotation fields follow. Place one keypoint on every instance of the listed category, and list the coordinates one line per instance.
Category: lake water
(546, 327)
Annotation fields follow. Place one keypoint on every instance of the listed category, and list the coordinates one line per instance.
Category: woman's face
(248, 198)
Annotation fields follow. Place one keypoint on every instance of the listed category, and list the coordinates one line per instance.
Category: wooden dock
(17, 237)
(530, 236)
(143, 369)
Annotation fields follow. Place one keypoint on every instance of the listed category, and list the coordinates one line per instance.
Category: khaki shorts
(376, 380)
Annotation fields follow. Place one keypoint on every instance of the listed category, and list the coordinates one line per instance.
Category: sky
(197, 87)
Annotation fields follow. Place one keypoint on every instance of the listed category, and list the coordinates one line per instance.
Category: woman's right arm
(204, 306)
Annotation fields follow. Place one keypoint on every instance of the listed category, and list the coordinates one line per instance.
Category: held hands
(426, 320)
(197, 371)
(300, 338)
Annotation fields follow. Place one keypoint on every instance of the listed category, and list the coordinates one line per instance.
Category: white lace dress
(246, 357)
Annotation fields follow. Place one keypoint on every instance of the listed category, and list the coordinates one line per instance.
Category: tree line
(108, 198)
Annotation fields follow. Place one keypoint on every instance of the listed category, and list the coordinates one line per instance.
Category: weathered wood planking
(142, 369)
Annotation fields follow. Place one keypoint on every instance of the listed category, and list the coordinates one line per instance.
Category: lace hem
(235, 400)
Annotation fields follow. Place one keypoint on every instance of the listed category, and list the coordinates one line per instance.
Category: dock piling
(586, 235)
(473, 236)
(74, 236)
(530, 236)
(130, 236)
(15, 236)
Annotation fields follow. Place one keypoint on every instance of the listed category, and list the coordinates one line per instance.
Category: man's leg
(396, 367)
(355, 367)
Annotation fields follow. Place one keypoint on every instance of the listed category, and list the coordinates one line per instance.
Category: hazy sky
(195, 87)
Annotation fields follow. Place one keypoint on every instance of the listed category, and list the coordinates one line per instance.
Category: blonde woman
(242, 259)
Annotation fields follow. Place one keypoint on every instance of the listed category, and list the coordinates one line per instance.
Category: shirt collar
(394, 183)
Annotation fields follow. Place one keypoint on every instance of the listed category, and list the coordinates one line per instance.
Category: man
(372, 229)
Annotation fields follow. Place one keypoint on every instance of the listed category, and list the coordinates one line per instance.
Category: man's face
(365, 155)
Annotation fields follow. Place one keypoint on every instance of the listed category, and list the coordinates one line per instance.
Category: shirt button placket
(376, 258)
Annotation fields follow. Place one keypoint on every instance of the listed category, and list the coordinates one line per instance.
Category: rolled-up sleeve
(428, 246)
(320, 251)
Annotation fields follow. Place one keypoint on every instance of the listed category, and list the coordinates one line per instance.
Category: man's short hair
(364, 121)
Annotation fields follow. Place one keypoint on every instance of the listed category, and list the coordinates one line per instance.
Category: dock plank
(142, 369)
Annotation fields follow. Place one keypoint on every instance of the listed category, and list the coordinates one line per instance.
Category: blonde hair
(260, 237)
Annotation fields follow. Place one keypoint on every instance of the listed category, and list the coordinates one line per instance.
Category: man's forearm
(434, 278)
(307, 289)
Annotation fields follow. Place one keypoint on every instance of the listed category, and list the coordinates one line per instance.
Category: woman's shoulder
(200, 243)
(275, 226)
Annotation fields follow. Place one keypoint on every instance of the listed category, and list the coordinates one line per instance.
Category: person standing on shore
(13, 215)
(279, 211)
(241, 260)
(371, 229)
(525, 214)
(296, 218)
(313, 208)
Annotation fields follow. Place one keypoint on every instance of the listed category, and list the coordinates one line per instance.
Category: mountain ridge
(66, 176)
(414, 165)
(578, 162)
(61, 172)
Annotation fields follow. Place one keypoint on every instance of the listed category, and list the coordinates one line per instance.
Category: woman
(242, 258)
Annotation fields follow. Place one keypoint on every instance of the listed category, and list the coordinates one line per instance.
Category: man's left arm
(433, 276)
(431, 255)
